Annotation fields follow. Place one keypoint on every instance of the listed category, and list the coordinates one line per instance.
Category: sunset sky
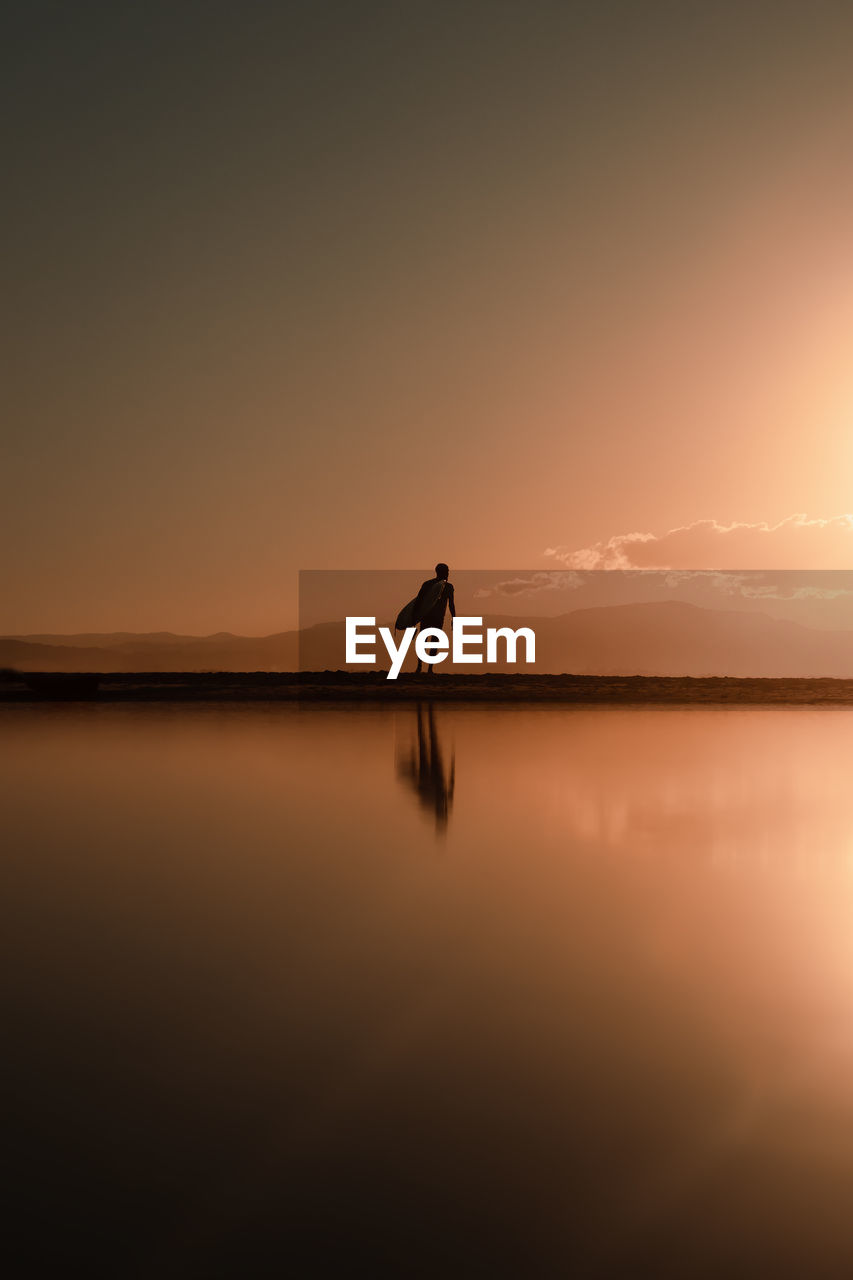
(335, 285)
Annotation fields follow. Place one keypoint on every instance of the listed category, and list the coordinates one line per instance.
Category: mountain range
(659, 638)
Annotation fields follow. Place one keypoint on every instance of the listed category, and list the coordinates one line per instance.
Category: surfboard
(411, 614)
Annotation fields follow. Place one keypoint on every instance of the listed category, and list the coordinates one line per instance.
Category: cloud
(794, 543)
(533, 584)
(774, 584)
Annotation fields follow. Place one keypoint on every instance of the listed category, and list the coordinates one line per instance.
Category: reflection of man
(434, 597)
(423, 769)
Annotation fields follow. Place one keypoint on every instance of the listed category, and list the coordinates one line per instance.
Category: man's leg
(430, 666)
(425, 626)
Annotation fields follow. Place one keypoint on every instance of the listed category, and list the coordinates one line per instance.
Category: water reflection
(611, 1036)
(421, 767)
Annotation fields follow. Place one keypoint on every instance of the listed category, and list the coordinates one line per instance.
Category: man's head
(441, 571)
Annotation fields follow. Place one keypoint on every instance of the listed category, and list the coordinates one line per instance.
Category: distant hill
(674, 638)
(159, 652)
(660, 638)
(118, 639)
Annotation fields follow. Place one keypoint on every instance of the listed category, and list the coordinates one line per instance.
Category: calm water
(499, 991)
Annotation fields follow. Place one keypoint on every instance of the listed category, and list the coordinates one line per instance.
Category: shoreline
(345, 686)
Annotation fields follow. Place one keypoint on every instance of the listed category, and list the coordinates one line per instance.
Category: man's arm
(451, 604)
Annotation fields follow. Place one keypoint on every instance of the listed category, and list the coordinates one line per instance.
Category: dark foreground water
(494, 992)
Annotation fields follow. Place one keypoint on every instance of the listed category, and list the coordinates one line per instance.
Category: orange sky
(464, 282)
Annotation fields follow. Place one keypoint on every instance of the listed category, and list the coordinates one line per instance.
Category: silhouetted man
(434, 597)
